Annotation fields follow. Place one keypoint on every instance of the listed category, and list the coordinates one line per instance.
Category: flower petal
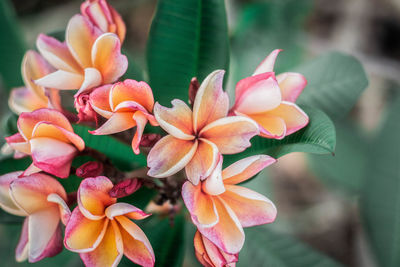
(30, 193)
(126, 209)
(200, 205)
(107, 57)
(21, 251)
(18, 143)
(131, 90)
(109, 252)
(6, 202)
(246, 168)
(62, 80)
(54, 246)
(177, 121)
(250, 207)
(65, 213)
(259, 94)
(267, 65)
(57, 54)
(214, 184)
(42, 226)
(295, 118)
(136, 245)
(99, 100)
(227, 234)
(24, 100)
(93, 197)
(211, 102)
(53, 156)
(118, 122)
(230, 134)
(270, 126)
(170, 155)
(93, 78)
(83, 234)
(291, 84)
(80, 36)
(203, 162)
(140, 121)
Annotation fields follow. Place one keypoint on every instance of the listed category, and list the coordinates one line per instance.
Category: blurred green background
(332, 210)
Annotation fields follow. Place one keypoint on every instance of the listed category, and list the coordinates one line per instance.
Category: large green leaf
(346, 169)
(317, 137)
(335, 83)
(12, 47)
(188, 38)
(380, 198)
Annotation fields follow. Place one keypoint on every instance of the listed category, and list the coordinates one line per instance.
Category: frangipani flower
(269, 100)
(220, 208)
(41, 199)
(48, 137)
(125, 104)
(210, 255)
(87, 59)
(101, 230)
(32, 96)
(104, 17)
(197, 138)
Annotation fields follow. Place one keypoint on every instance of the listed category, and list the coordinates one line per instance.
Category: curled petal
(141, 121)
(211, 102)
(6, 202)
(256, 94)
(131, 90)
(45, 239)
(92, 78)
(21, 251)
(230, 134)
(32, 169)
(18, 143)
(270, 126)
(24, 100)
(107, 57)
(82, 234)
(57, 54)
(250, 207)
(227, 234)
(93, 197)
(267, 65)
(118, 122)
(203, 162)
(177, 121)
(136, 245)
(62, 80)
(30, 193)
(99, 100)
(291, 84)
(200, 205)
(170, 155)
(214, 184)
(126, 209)
(80, 36)
(65, 213)
(53, 156)
(246, 168)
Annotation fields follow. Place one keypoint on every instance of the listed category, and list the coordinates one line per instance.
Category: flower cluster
(100, 227)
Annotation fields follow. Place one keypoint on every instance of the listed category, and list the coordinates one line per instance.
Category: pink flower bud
(90, 169)
(149, 140)
(84, 109)
(125, 188)
(193, 88)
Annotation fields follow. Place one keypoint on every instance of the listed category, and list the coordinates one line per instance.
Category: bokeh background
(323, 202)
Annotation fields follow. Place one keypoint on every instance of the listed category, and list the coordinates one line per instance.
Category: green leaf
(335, 83)
(188, 38)
(265, 247)
(10, 164)
(380, 198)
(317, 137)
(346, 169)
(119, 153)
(12, 47)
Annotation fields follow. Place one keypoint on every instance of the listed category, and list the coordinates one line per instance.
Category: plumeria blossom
(104, 17)
(41, 199)
(126, 105)
(101, 230)
(87, 59)
(32, 96)
(196, 138)
(49, 138)
(220, 208)
(270, 100)
(210, 255)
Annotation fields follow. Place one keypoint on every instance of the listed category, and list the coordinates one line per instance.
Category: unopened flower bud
(90, 169)
(193, 88)
(125, 188)
(84, 109)
(149, 140)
